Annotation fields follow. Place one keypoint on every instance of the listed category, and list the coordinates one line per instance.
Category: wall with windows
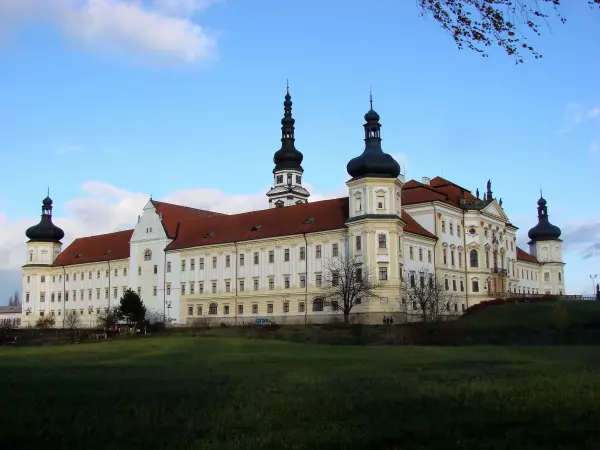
(83, 289)
(528, 274)
(147, 259)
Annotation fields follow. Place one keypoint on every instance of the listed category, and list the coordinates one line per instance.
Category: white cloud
(594, 147)
(64, 149)
(576, 114)
(107, 208)
(161, 28)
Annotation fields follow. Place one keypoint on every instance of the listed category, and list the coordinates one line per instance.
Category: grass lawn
(212, 393)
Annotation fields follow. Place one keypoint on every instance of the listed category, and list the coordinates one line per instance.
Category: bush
(509, 300)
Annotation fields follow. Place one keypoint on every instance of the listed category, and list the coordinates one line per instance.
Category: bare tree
(109, 318)
(346, 283)
(426, 296)
(477, 24)
(71, 320)
(45, 322)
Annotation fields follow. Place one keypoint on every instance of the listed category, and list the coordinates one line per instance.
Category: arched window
(318, 304)
(147, 255)
(475, 285)
(212, 309)
(474, 258)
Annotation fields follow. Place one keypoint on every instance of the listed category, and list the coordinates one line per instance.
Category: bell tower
(287, 189)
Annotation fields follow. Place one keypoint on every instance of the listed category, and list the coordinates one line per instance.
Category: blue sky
(109, 105)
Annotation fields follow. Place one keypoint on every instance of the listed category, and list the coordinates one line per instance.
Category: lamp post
(284, 300)
(168, 311)
(90, 309)
(593, 277)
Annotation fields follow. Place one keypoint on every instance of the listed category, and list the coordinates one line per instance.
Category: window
(380, 202)
(428, 255)
(271, 256)
(319, 280)
(459, 259)
(168, 288)
(334, 305)
(43, 297)
(182, 288)
(302, 253)
(318, 304)
(228, 261)
(214, 287)
(89, 276)
(198, 310)
(226, 309)
(286, 307)
(335, 278)
(559, 277)
(183, 265)
(214, 262)
(452, 257)
(458, 230)
(487, 259)
(155, 269)
(358, 301)
(148, 255)
(286, 254)
(383, 273)
(255, 309)
(474, 260)
(546, 276)
(443, 226)
(279, 179)
(242, 259)
(192, 264)
(190, 310)
(412, 280)
(169, 267)
(451, 228)
(475, 285)
(201, 288)
(139, 270)
(66, 277)
(256, 284)
(240, 309)
(411, 254)
(358, 274)
(301, 307)
(271, 283)
(115, 292)
(420, 254)
(286, 282)
(358, 243)
(30, 255)
(462, 286)
(124, 271)
(334, 250)
(154, 291)
(454, 285)
(302, 281)
(298, 179)
(201, 263)
(317, 251)
(228, 286)
(212, 309)
(445, 254)
(269, 308)
(74, 296)
(255, 257)
(59, 296)
(382, 240)
(139, 291)
(241, 285)
(358, 203)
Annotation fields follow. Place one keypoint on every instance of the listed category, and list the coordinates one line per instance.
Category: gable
(494, 209)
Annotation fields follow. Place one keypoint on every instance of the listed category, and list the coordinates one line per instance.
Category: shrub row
(509, 301)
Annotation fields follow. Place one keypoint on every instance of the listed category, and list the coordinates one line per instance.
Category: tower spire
(371, 97)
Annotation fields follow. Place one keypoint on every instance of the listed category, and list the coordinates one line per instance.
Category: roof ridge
(154, 202)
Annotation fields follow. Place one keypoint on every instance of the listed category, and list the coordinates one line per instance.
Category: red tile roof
(439, 189)
(325, 215)
(522, 255)
(172, 214)
(214, 228)
(102, 247)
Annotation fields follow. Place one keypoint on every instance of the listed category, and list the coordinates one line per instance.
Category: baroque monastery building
(190, 263)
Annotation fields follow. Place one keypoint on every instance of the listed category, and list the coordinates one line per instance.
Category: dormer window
(279, 204)
(279, 179)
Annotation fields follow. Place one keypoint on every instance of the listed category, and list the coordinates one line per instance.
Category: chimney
(426, 180)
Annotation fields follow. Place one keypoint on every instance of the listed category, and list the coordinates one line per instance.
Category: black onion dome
(45, 231)
(544, 230)
(373, 162)
(287, 157)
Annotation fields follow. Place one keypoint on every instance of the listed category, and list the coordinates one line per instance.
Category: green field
(200, 392)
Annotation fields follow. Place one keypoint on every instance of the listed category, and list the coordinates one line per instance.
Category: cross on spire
(371, 97)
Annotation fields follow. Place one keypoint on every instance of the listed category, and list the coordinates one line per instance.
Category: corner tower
(287, 174)
(44, 244)
(546, 246)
